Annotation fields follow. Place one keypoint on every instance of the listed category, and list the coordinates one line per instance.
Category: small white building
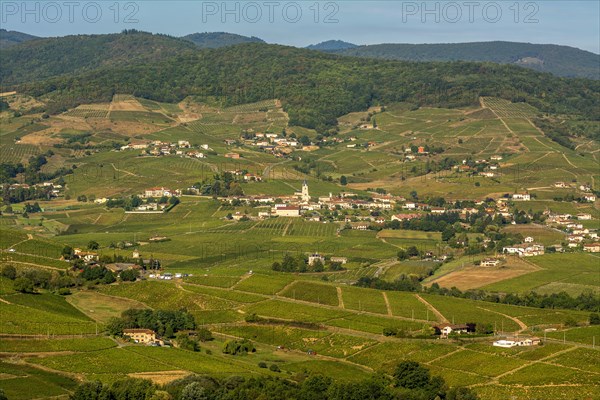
(514, 342)
(521, 197)
(313, 258)
(287, 211)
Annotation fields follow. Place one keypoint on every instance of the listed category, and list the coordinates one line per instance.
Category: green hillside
(315, 88)
(559, 60)
(214, 40)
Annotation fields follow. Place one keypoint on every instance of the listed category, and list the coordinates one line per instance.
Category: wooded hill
(563, 61)
(315, 87)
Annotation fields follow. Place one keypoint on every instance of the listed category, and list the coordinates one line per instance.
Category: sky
(300, 23)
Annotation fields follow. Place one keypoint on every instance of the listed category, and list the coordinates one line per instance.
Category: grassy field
(101, 307)
(573, 273)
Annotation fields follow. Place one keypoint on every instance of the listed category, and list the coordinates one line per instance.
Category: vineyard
(506, 109)
(89, 111)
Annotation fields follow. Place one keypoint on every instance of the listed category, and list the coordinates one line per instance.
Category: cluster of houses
(587, 194)
(488, 168)
(526, 249)
(577, 234)
(159, 148)
(51, 189)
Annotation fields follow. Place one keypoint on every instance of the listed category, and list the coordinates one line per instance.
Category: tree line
(409, 381)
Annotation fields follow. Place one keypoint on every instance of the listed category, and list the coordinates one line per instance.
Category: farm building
(158, 192)
(490, 262)
(287, 211)
(341, 260)
(360, 226)
(446, 329)
(514, 342)
(592, 247)
(521, 197)
(313, 258)
(141, 335)
(232, 155)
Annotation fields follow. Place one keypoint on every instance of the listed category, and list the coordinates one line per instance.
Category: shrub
(24, 285)
(10, 272)
(204, 335)
(262, 364)
(274, 368)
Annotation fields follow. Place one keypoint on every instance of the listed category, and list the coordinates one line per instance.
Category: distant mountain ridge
(562, 61)
(11, 38)
(214, 40)
(332, 45)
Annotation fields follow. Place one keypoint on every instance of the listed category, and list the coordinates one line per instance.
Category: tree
(93, 245)
(204, 335)
(412, 251)
(115, 326)
(23, 285)
(169, 331)
(305, 140)
(343, 180)
(194, 391)
(448, 233)
(411, 375)
(461, 393)
(274, 368)
(67, 252)
(130, 275)
(402, 255)
(88, 391)
(10, 272)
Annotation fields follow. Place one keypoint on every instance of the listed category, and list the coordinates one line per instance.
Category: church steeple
(305, 194)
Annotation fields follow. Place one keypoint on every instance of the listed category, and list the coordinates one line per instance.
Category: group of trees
(235, 347)
(31, 173)
(30, 279)
(409, 381)
(191, 341)
(221, 185)
(163, 322)
(134, 201)
(300, 264)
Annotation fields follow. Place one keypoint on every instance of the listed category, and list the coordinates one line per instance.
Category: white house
(287, 211)
(513, 342)
(490, 262)
(592, 247)
(313, 258)
(521, 197)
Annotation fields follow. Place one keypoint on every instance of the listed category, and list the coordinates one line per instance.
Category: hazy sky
(300, 23)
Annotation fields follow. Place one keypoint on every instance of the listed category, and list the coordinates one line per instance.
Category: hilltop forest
(315, 88)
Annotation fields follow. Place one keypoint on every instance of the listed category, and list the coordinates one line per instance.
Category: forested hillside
(214, 40)
(560, 60)
(44, 58)
(314, 87)
(11, 38)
